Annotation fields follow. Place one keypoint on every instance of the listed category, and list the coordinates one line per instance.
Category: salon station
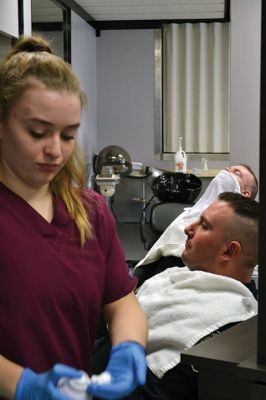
(176, 92)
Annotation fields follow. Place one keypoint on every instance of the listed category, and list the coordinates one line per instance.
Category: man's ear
(233, 249)
(246, 193)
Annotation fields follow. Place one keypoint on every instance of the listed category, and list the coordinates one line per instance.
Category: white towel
(184, 306)
(172, 241)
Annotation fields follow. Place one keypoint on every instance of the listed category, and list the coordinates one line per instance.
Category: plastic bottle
(75, 388)
(204, 164)
(180, 164)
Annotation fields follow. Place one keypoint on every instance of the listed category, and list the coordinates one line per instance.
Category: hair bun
(31, 47)
(30, 44)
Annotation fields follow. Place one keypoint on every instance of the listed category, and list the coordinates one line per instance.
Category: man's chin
(186, 262)
(185, 259)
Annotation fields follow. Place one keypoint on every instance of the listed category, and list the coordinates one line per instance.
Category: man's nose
(189, 230)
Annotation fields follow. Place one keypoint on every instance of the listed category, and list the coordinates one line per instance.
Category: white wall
(9, 17)
(245, 82)
(27, 17)
(126, 92)
(84, 63)
(126, 89)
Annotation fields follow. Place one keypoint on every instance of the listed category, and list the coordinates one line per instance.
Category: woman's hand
(127, 368)
(32, 386)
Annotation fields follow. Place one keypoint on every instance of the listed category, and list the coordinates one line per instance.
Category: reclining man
(168, 248)
(214, 291)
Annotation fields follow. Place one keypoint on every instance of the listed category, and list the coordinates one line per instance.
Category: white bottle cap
(81, 383)
(75, 388)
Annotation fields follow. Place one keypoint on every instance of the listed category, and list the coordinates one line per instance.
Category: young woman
(61, 262)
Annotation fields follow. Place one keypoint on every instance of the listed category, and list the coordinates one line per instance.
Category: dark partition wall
(261, 354)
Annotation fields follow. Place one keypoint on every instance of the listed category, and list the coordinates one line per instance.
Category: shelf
(210, 173)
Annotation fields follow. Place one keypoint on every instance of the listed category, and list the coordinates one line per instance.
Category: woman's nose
(53, 147)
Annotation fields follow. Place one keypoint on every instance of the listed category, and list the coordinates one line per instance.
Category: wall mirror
(5, 45)
(51, 19)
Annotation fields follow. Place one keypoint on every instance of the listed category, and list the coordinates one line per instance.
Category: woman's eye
(67, 138)
(36, 135)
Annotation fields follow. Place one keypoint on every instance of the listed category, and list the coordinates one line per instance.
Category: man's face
(207, 238)
(244, 177)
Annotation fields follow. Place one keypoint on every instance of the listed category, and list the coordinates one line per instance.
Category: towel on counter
(172, 241)
(184, 306)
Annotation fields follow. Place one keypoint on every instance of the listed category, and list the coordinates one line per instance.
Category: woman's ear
(233, 249)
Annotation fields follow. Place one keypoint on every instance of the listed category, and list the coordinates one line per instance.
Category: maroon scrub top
(51, 288)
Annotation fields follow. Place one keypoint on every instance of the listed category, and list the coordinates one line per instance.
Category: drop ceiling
(110, 10)
(132, 10)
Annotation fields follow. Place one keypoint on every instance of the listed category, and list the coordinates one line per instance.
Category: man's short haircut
(254, 184)
(244, 226)
(242, 205)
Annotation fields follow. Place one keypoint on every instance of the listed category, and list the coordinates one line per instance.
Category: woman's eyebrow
(40, 120)
(48, 123)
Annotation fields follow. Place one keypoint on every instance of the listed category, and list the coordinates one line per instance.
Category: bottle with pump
(180, 164)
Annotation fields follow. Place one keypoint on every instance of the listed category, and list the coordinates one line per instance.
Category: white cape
(172, 241)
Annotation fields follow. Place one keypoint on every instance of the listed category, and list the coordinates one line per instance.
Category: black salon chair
(175, 192)
(161, 216)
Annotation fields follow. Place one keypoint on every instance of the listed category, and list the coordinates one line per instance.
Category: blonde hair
(29, 63)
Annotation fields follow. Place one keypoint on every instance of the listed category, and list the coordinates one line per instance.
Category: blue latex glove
(127, 367)
(32, 386)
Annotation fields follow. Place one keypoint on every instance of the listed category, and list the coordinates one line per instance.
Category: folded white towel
(172, 241)
(184, 306)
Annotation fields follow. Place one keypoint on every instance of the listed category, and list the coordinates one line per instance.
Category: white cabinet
(9, 17)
